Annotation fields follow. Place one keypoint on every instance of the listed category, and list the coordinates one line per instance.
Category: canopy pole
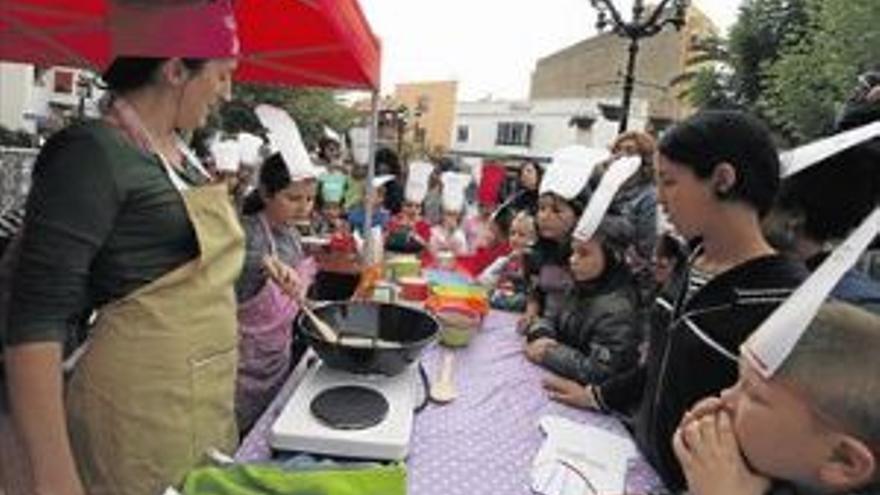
(371, 174)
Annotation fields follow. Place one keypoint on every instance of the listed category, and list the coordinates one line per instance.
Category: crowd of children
(644, 326)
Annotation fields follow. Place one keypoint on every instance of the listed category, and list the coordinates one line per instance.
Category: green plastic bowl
(456, 327)
(404, 266)
(455, 336)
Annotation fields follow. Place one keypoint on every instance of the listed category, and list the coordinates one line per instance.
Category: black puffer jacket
(693, 346)
(597, 328)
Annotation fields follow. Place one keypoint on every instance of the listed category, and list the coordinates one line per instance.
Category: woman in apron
(121, 220)
(276, 270)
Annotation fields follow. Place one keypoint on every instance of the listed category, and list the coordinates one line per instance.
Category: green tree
(813, 76)
(312, 109)
(705, 82)
(724, 73)
(761, 32)
(710, 88)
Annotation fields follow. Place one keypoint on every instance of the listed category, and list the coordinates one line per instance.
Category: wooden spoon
(443, 388)
(275, 269)
(332, 336)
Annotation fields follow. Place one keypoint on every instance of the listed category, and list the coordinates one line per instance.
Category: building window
(514, 134)
(63, 82)
(462, 134)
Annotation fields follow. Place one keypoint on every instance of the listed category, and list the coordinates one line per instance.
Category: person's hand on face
(570, 392)
(711, 458)
(708, 406)
(537, 349)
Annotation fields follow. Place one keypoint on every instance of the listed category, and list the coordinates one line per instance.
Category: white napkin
(574, 452)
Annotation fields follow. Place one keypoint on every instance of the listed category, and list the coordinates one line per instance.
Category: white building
(31, 98)
(535, 129)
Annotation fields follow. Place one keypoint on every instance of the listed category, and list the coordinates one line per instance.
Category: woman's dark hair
(710, 138)
(131, 73)
(387, 162)
(834, 196)
(274, 177)
(539, 172)
(324, 144)
(200, 141)
(502, 217)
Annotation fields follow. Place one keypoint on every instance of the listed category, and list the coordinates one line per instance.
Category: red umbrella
(289, 42)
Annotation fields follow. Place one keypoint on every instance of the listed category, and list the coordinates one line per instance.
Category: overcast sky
(489, 46)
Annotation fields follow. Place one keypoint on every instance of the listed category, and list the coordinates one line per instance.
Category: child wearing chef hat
(596, 333)
(332, 220)
(448, 236)
(332, 194)
(276, 272)
(562, 196)
(407, 231)
(357, 216)
(804, 410)
(812, 427)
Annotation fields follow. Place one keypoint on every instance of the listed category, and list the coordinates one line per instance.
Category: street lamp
(401, 121)
(83, 91)
(671, 12)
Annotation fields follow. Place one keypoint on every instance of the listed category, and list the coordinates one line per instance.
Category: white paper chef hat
(618, 173)
(454, 186)
(770, 345)
(805, 156)
(249, 147)
(227, 155)
(360, 144)
(381, 180)
(570, 170)
(332, 135)
(417, 181)
(284, 137)
(474, 166)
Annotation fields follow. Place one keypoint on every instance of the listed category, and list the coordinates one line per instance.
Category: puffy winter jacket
(597, 329)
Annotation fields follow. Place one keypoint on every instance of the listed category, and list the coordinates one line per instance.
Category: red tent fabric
(324, 43)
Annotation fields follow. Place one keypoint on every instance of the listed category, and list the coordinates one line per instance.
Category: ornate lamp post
(671, 12)
(83, 92)
(401, 119)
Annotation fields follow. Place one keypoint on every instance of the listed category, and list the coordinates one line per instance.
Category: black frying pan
(412, 328)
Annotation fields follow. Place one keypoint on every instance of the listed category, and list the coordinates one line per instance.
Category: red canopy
(288, 42)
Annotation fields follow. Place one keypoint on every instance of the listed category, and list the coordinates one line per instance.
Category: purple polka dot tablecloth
(485, 440)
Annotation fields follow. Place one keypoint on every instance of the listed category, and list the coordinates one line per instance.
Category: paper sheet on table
(577, 458)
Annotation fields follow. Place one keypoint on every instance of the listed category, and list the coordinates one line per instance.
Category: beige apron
(155, 388)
